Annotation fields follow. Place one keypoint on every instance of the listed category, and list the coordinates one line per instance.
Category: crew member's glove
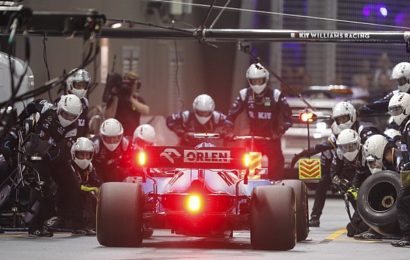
(336, 180)
(297, 156)
(92, 190)
(353, 191)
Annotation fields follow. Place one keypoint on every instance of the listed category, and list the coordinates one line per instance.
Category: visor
(395, 110)
(80, 85)
(67, 115)
(347, 148)
(203, 113)
(87, 155)
(342, 119)
(111, 139)
(402, 81)
(374, 163)
(258, 81)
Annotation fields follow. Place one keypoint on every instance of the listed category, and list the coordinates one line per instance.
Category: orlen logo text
(207, 156)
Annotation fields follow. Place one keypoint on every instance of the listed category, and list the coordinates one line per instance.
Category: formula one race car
(197, 192)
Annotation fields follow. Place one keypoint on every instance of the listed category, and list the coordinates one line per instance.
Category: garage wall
(154, 63)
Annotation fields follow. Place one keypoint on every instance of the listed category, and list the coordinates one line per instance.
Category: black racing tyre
(302, 208)
(273, 218)
(377, 202)
(119, 214)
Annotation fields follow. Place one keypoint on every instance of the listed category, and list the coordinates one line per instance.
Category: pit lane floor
(327, 242)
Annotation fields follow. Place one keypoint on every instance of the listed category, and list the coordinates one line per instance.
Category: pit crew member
(269, 116)
(110, 148)
(203, 118)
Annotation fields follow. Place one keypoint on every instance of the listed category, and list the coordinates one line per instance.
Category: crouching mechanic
(82, 152)
(110, 149)
(345, 117)
(269, 116)
(201, 119)
(349, 155)
(399, 109)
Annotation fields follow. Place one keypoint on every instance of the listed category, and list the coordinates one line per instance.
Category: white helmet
(145, 133)
(393, 134)
(335, 128)
(69, 108)
(82, 152)
(78, 83)
(348, 144)
(399, 107)
(203, 106)
(344, 115)
(111, 132)
(257, 77)
(401, 73)
(373, 151)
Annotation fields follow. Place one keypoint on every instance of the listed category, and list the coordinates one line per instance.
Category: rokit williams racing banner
(188, 157)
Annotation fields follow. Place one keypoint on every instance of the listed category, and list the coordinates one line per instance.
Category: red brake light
(193, 203)
(141, 158)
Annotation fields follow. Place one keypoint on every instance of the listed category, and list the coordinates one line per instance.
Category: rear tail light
(141, 158)
(194, 203)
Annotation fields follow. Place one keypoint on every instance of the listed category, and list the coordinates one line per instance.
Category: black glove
(297, 156)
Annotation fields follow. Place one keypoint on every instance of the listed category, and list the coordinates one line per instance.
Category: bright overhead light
(116, 25)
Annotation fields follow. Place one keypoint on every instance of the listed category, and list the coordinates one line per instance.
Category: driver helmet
(144, 135)
(78, 83)
(111, 132)
(401, 73)
(82, 152)
(203, 107)
(257, 77)
(399, 107)
(373, 151)
(348, 144)
(344, 115)
(69, 108)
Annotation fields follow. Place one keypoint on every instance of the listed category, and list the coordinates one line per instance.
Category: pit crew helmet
(401, 73)
(144, 135)
(82, 152)
(203, 107)
(78, 83)
(69, 108)
(393, 134)
(344, 115)
(399, 107)
(111, 132)
(348, 144)
(257, 77)
(373, 151)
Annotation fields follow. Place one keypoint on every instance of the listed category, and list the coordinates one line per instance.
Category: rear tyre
(119, 214)
(302, 208)
(273, 218)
